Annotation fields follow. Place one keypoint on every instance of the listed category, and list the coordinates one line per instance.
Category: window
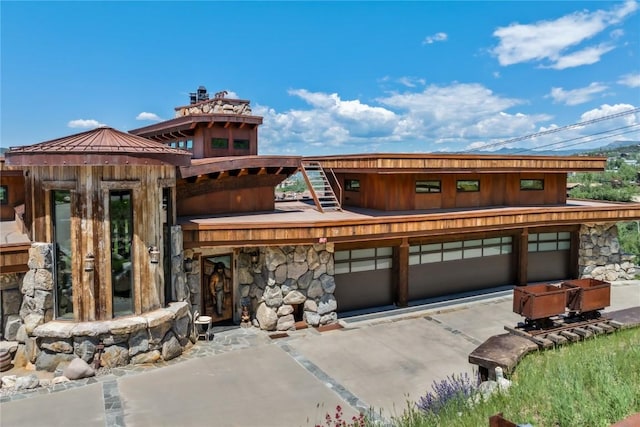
(531, 184)
(4, 195)
(357, 260)
(121, 220)
(461, 249)
(352, 185)
(467, 185)
(190, 144)
(543, 242)
(428, 186)
(219, 143)
(241, 144)
(63, 255)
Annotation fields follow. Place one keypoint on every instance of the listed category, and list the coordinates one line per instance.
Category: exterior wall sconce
(154, 254)
(188, 265)
(255, 257)
(89, 262)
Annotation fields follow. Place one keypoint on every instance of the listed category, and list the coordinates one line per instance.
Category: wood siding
(388, 192)
(270, 231)
(90, 229)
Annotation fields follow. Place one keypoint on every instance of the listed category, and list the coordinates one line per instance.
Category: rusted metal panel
(587, 294)
(538, 301)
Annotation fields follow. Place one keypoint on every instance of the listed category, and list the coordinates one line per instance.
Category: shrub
(454, 390)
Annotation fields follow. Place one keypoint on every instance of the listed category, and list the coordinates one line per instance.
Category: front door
(217, 287)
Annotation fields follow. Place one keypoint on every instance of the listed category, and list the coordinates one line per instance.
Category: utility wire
(596, 139)
(580, 137)
(555, 130)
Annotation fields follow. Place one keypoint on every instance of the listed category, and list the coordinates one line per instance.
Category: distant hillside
(613, 147)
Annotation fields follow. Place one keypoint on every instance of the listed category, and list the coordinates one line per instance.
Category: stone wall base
(600, 255)
(162, 334)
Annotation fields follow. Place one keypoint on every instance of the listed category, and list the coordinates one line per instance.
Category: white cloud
(550, 40)
(411, 81)
(631, 80)
(609, 110)
(148, 116)
(576, 96)
(437, 37)
(586, 56)
(84, 124)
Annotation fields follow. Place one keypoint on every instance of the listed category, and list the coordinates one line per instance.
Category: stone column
(600, 255)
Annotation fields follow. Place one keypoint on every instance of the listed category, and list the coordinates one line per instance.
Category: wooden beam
(401, 265)
(227, 125)
(522, 248)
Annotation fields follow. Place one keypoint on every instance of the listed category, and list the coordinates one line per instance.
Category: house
(126, 235)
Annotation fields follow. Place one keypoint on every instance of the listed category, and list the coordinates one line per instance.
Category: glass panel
(548, 236)
(564, 245)
(366, 265)
(61, 205)
(507, 249)
(432, 247)
(564, 235)
(491, 250)
(470, 185)
(4, 195)
(189, 144)
(432, 257)
(428, 186)
(533, 247)
(473, 253)
(218, 143)
(363, 253)
(507, 239)
(531, 184)
(341, 268)
(492, 241)
(121, 220)
(382, 264)
(414, 249)
(449, 256)
(452, 245)
(533, 237)
(387, 251)
(547, 246)
(472, 243)
(352, 185)
(241, 144)
(414, 259)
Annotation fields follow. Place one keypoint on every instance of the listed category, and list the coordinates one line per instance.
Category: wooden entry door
(217, 287)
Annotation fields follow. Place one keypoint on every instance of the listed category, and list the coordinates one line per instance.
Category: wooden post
(523, 257)
(401, 264)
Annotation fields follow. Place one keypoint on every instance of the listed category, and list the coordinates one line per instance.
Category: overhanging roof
(213, 165)
(100, 146)
(185, 125)
(456, 163)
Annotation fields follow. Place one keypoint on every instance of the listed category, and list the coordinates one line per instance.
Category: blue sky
(329, 77)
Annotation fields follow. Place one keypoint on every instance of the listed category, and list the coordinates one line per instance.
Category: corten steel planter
(587, 294)
(538, 301)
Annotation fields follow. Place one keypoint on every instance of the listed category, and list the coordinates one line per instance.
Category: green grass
(588, 384)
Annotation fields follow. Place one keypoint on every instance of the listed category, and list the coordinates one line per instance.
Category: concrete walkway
(245, 378)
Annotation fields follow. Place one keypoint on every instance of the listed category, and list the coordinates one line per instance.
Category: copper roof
(103, 145)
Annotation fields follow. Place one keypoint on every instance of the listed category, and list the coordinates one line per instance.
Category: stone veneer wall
(286, 276)
(11, 298)
(600, 256)
(162, 334)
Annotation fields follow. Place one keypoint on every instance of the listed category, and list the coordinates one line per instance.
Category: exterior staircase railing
(320, 188)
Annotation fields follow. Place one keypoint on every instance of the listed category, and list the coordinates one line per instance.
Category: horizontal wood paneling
(389, 227)
(14, 258)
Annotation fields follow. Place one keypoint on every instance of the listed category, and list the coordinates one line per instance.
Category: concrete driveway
(381, 360)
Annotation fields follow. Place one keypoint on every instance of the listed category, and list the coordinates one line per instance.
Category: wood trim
(522, 257)
(59, 185)
(120, 185)
(401, 272)
(411, 226)
(166, 182)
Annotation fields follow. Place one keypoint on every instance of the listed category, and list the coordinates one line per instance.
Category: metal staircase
(323, 195)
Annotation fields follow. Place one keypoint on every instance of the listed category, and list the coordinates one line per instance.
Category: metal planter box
(538, 301)
(587, 294)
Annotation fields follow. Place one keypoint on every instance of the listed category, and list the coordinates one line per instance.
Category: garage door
(549, 256)
(363, 278)
(446, 268)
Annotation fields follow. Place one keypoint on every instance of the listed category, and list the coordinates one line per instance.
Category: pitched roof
(103, 145)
